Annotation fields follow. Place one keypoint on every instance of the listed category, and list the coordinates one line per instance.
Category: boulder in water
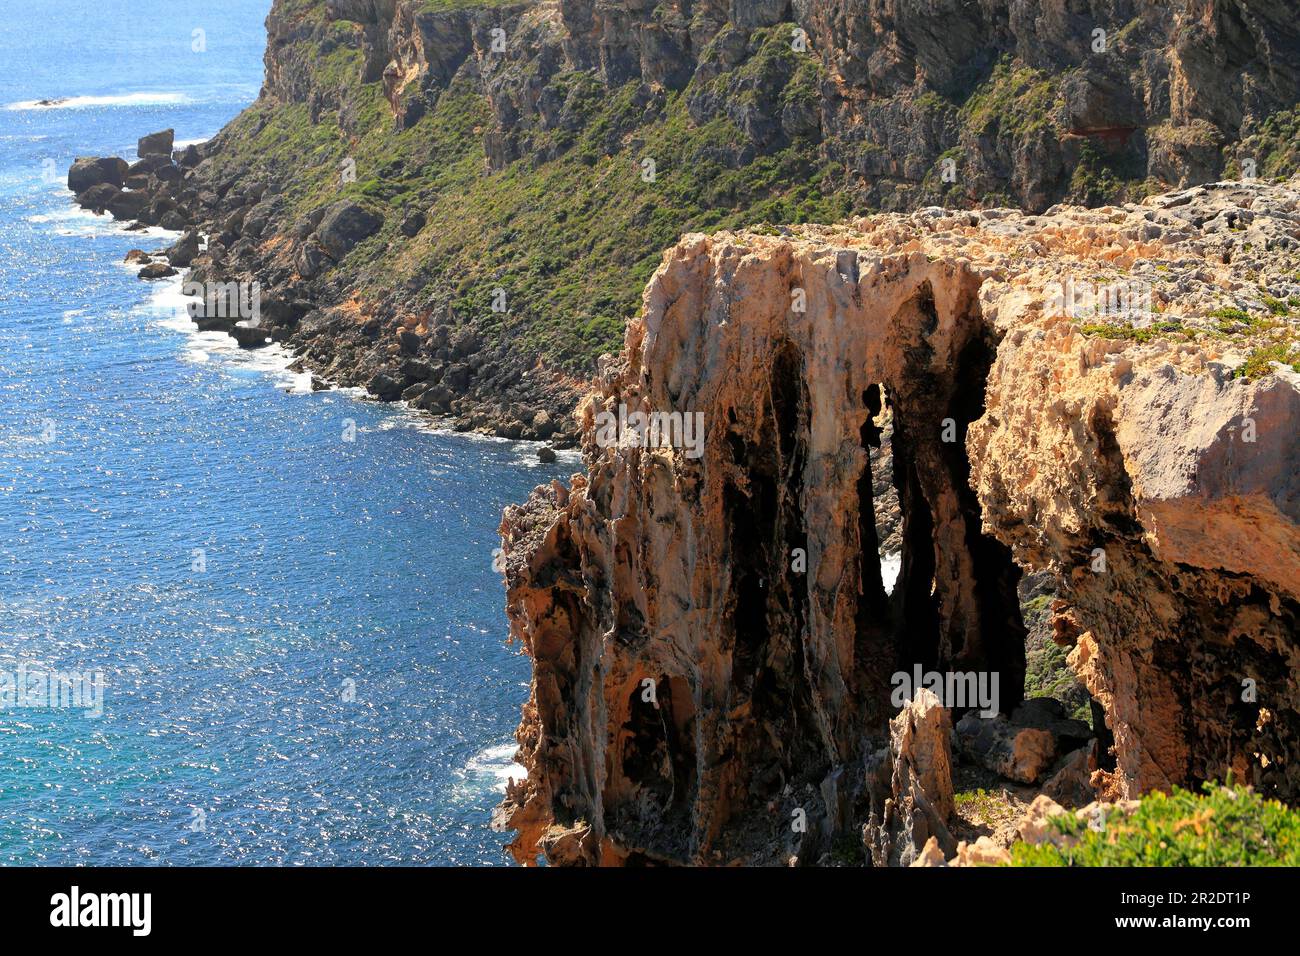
(157, 270)
(249, 336)
(89, 171)
(97, 198)
(156, 144)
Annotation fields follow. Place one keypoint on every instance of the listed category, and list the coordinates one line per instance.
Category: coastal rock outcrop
(1083, 392)
(91, 171)
(910, 785)
(156, 144)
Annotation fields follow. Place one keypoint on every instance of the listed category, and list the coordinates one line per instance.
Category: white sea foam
(155, 98)
(404, 415)
(75, 221)
(497, 765)
(527, 455)
(167, 306)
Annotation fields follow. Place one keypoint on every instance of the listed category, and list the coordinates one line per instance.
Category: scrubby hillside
(518, 168)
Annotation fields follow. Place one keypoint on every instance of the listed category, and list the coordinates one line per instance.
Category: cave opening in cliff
(879, 555)
(914, 604)
(1000, 628)
(658, 752)
(768, 605)
(954, 606)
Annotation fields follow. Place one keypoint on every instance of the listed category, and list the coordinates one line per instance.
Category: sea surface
(299, 638)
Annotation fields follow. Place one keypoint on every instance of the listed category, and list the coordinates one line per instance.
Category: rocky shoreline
(233, 250)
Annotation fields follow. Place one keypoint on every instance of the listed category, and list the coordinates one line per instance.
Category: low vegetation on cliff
(571, 232)
(506, 154)
(1221, 826)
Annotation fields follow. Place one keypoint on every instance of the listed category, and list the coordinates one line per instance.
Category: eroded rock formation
(712, 644)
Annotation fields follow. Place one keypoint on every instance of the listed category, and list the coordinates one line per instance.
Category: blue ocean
(288, 598)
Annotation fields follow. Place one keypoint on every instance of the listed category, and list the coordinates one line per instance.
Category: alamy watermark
(651, 430)
(32, 687)
(953, 688)
(1082, 299)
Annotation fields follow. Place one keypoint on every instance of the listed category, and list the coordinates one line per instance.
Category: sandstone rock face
(736, 584)
(910, 785)
(983, 852)
(1017, 753)
(1024, 747)
(1071, 780)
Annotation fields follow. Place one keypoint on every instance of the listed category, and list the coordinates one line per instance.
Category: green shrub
(1260, 361)
(1109, 330)
(1223, 826)
(1231, 314)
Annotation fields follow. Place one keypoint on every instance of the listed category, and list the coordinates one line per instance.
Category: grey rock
(249, 336)
(182, 252)
(98, 197)
(156, 144)
(345, 224)
(128, 204)
(157, 270)
(90, 171)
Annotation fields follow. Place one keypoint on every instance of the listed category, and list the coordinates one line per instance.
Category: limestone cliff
(712, 645)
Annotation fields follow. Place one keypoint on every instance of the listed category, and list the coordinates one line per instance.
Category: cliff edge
(1109, 395)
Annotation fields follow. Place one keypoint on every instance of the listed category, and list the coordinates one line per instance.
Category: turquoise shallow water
(301, 638)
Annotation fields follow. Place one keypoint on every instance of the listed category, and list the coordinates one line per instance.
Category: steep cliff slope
(1109, 395)
(439, 195)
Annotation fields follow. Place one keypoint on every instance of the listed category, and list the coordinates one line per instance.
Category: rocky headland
(714, 652)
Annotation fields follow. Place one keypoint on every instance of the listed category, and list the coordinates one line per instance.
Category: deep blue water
(130, 447)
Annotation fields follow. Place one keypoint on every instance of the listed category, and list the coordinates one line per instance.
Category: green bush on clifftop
(1223, 826)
